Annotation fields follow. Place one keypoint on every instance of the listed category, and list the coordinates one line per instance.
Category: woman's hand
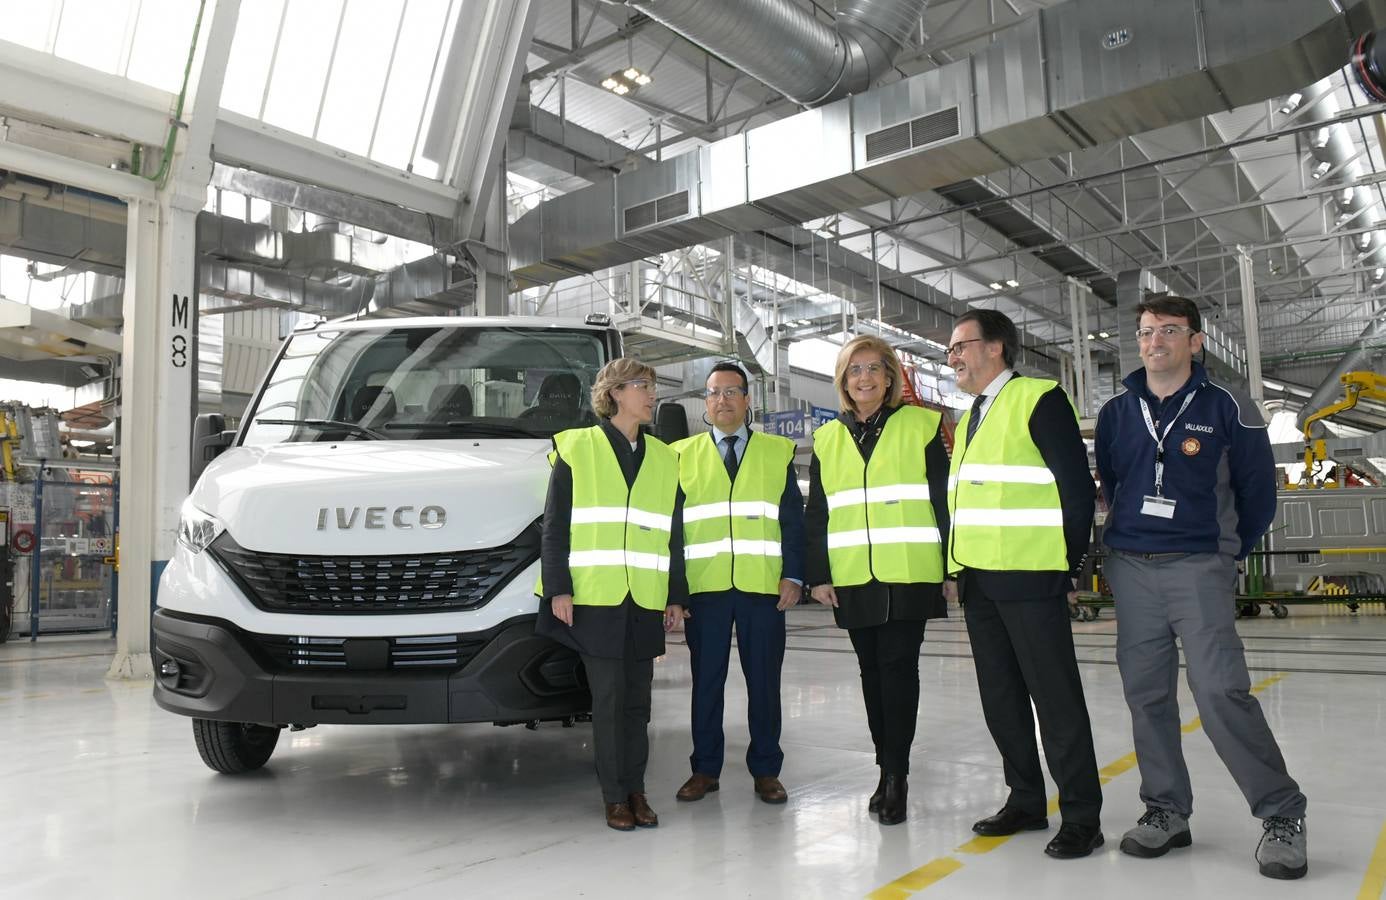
(673, 615)
(825, 594)
(562, 605)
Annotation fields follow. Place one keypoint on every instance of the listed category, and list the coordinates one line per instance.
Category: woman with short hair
(612, 573)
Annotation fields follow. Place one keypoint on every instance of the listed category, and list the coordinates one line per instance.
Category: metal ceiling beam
(242, 141)
(44, 88)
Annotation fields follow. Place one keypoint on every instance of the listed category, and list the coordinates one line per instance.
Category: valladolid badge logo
(1191, 446)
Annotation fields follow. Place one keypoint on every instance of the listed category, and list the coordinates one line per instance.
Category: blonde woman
(613, 582)
(877, 522)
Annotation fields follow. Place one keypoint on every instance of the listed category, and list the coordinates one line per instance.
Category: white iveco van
(365, 549)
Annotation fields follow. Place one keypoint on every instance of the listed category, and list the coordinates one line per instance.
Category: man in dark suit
(1021, 498)
(743, 539)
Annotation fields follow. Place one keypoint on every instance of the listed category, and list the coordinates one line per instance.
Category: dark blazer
(627, 631)
(877, 602)
(1054, 429)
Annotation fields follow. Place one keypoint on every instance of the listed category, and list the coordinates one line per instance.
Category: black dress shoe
(1009, 821)
(893, 796)
(1074, 841)
(874, 804)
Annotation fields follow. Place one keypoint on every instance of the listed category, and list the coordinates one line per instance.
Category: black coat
(627, 631)
(877, 602)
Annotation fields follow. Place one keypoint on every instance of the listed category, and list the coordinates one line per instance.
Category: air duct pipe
(813, 62)
(1334, 158)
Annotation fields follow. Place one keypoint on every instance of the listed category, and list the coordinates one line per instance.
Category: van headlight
(197, 529)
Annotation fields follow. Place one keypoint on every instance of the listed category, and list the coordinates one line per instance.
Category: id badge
(1160, 507)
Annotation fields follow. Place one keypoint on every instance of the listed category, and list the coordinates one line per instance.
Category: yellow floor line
(1374, 882)
(918, 880)
(943, 866)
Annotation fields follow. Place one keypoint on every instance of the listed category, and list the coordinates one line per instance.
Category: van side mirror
(209, 439)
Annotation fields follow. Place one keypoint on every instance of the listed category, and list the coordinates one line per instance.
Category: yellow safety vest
(619, 537)
(881, 523)
(1002, 497)
(731, 531)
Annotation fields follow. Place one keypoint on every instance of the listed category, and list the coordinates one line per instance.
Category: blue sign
(821, 415)
(788, 424)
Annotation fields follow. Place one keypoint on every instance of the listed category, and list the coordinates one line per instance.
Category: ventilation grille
(440, 651)
(913, 134)
(653, 212)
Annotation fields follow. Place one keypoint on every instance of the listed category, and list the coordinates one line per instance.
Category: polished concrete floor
(103, 794)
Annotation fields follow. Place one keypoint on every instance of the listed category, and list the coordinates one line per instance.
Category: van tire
(234, 748)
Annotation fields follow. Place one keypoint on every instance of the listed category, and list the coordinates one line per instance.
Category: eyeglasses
(730, 393)
(641, 384)
(957, 348)
(1169, 331)
(858, 369)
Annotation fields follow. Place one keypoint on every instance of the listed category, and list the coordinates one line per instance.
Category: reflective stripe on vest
(881, 523)
(731, 532)
(618, 537)
(1003, 499)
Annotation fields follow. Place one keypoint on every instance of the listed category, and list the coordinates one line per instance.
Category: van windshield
(428, 383)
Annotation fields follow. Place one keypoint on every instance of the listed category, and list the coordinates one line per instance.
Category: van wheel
(234, 748)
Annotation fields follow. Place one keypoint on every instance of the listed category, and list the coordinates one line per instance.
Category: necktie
(729, 457)
(974, 418)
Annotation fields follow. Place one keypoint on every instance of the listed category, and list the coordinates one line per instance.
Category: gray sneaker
(1156, 833)
(1283, 851)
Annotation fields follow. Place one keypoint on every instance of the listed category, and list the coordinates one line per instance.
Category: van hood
(376, 497)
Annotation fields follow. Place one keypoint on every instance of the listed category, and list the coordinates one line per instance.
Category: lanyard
(1160, 438)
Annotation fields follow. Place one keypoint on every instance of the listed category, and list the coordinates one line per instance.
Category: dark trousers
(620, 721)
(1023, 651)
(760, 643)
(888, 655)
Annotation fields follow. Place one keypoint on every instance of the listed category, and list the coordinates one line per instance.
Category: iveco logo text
(375, 517)
(1206, 429)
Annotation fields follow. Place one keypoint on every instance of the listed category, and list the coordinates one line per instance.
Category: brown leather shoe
(640, 810)
(697, 787)
(619, 816)
(769, 789)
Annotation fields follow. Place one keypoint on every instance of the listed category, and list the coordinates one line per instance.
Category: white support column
(1082, 354)
(157, 375)
(1251, 326)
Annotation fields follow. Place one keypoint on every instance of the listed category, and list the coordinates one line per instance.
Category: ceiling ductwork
(1071, 77)
(1335, 161)
(61, 237)
(814, 62)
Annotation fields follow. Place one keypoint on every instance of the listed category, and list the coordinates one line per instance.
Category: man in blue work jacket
(743, 530)
(1190, 482)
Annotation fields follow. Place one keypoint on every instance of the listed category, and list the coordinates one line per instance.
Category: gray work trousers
(1191, 596)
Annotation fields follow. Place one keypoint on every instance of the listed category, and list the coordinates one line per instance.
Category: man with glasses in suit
(743, 531)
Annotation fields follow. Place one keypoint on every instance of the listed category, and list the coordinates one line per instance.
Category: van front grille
(338, 585)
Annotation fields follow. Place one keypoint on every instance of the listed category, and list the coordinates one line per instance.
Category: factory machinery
(57, 517)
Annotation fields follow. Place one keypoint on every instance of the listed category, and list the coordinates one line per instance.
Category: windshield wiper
(325, 424)
(492, 429)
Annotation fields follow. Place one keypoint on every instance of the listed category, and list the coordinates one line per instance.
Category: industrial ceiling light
(626, 81)
(1091, 336)
(997, 286)
(1346, 196)
(1291, 103)
(1103, 334)
(1321, 138)
(1321, 169)
(1012, 282)
(1378, 275)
